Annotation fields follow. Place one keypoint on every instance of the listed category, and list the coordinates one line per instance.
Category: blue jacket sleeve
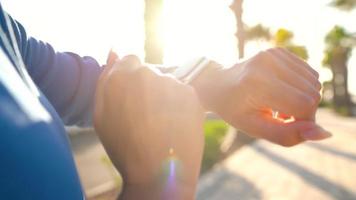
(66, 79)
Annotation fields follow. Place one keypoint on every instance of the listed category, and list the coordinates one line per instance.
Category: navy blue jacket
(40, 91)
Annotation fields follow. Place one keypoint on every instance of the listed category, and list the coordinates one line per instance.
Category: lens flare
(280, 117)
(275, 114)
(171, 173)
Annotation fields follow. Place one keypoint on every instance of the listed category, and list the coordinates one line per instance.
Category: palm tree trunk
(236, 7)
(153, 44)
(239, 138)
(340, 78)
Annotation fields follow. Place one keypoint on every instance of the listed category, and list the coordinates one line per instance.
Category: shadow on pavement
(82, 140)
(228, 186)
(333, 151)
(332, 189)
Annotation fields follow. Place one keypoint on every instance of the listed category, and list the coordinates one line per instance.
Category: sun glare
(195, 28)
(190, 27)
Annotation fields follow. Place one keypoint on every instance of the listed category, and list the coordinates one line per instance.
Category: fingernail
(316, 134)
(112, 57)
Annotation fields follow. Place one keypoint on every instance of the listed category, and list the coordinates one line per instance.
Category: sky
(190, 27)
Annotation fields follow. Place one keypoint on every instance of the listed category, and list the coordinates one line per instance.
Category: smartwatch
(191, 69)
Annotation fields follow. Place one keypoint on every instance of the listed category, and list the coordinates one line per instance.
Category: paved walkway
(96, 172)
(311, 171)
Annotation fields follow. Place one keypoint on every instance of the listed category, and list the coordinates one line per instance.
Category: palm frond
(345, 5)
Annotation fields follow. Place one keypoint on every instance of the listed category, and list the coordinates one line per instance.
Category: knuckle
(318, 85)
(131, 59)
(144, 78)
(315, 95)
(306, 101)
(312, 103)
(129, 63)
(317, 98)
(275, 50)
(262, 54)
(304, 106)
(244, 80)
(116, 81)
(264, 60)
(317, 75)
(281, 49)
(262, 78)
(115, 77)
(252, 78)
(272, 50)
(144, 72)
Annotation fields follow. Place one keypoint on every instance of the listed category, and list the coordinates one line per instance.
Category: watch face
(189, 67)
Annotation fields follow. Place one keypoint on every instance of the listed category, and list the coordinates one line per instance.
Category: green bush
(343, 111)
(215, 131)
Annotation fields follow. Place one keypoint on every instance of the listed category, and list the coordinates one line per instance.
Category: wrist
(208, 85)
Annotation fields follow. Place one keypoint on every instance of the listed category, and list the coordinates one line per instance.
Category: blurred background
(323, 32)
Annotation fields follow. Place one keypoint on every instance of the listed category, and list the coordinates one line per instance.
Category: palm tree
(153, 44)
(281, 38)
(344, 4)
(236, 7)
(233, 139)
(339, 45)
(258, 32)
(284, 38)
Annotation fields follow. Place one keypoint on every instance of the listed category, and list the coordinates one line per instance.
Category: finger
(298, 66)
(301, 62)
(112, 57)
(286, 99)
(99, 104)
(295, 80)
(285, 134)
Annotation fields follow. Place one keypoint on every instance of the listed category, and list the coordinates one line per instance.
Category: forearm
(66, 79)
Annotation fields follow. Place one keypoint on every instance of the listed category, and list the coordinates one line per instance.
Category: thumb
(279, 132)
